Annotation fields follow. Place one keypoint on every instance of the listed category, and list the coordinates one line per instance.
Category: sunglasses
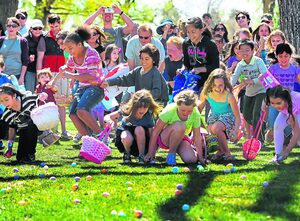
(12, 26)
(267, 22)
(220, 29)
(142, 37)
(241, 17)
(95, 33)
(20, 17)
(37, 28)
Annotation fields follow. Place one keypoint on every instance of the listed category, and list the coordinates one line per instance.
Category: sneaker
(30, 158)
(77, 138)
(66, 136)
(8, 153)
(2, 146)
(126, 158)
(171, 159)
(141, 159)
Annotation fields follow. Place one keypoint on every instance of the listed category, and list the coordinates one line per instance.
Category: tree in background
(8, 8)
(289, 21)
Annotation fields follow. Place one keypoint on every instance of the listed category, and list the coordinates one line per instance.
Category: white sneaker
(66, 136)
(77, 138)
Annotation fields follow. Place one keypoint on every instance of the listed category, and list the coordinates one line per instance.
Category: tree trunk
(8, 9)
(289, 21)
(268, 6)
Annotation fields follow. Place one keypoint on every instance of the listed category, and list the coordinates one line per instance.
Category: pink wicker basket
(95, 150)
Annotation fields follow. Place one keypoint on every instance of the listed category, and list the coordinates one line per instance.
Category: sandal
(228, 157)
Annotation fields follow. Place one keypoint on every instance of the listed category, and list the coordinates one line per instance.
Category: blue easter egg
(226, 171)
(179, 186)
(175, 169)
(265, 183)
(185, 207)
(42, 175)
(73, 164)
(232, 169)
(77, 178)
(16, 177)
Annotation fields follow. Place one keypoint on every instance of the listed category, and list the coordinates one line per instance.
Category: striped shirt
(91, 65)
(21, 119)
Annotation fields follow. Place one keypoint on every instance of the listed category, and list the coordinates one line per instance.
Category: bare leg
(88, 120)
(186, 153)
(218, 128)
(80, 126)
(127, 139)
(62, 118)
(140, 136)
(172, 136)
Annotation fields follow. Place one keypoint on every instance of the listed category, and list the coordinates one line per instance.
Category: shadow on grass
(277, 197)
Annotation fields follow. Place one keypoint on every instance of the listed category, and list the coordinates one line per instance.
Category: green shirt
(169, 116)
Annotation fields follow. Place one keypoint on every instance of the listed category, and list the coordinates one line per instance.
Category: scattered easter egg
(200, 167)
(53, 178)
(128, 183)
(76, 201)
(22, 203)
(226, 171)
(129, 188)
(175, 169)
(75, 186)
(243, 176)
(104, 171)
(16, 177)
(233, 169)
(186, 169)
(185, 207)
(178, 192)
(265, 183)
(42, 164)
(179, 186)
(121, 214)
(15, 170)
(73, 164)
(46, 167)
(41, 175)
(77, 178)
(8, 189)
(3, 190)
(114, 213)
(229, 165)
(88, 178)
(138, 213)
(105, 194)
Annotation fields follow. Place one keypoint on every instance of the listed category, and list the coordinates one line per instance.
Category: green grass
(211, 194)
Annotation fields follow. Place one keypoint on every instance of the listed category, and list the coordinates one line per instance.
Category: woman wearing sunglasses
(96, 40)
(33, 37)
(243, 20)
(14, 50)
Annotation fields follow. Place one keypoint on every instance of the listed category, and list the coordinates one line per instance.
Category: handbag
(46, 116)
(268, 80)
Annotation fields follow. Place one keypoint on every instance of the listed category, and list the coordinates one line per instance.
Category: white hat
(36, 23)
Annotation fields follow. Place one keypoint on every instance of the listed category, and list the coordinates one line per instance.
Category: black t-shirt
(171, 68)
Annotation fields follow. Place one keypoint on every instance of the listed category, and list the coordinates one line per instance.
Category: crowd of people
(69, 68)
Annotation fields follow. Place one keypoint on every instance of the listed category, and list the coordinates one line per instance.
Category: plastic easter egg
(105, 194)
(121, 214)
(76, 201)
(128, 183)
(175, 169)
(42, 164)
(16, 177)
(114, 212)
(75, 186)
(53, 178)
(3, 190)
(104, 171)
(185, 207)
(22, 203)
(233, 169)
(229, 165)
(243, 176)
(186, 169)
(46, 167)
(178, 192)
(265, 183)
(73, 164)
(41, 175)
(15, 170)
(226, 171)
(138, 213)
(8, 189)
(129, 188)
(200, 167)
(179, 186)
(77, 178)
(88, 178)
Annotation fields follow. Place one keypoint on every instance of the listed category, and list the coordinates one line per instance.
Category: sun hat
(162, 24)
(36, 23)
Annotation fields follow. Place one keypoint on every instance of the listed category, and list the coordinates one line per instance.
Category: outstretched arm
(129, 23)
(93, 16)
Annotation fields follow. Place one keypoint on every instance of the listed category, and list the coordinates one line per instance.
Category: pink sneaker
(8, 153)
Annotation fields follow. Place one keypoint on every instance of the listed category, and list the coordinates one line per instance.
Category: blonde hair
(276, 32)
(245, 31)
(215, 74)
(45, 71)
(145, 27)
(177, 41)
(186, 97)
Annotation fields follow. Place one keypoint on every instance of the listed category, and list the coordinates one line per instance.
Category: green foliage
(169, 11)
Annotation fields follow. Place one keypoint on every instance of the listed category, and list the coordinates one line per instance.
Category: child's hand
(62, 69)
(43, 96)
(31, 58)
(104, 84)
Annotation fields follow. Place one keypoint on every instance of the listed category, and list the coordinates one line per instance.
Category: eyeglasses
(220, 29)
(20, 17)
(241, 17)
(37, 28)
(12, 25)
(95, 33)
(143, 37)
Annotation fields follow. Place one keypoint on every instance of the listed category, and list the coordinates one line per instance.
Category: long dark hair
(225, 36)
(282, 93)
(9, 89)
(80, 35)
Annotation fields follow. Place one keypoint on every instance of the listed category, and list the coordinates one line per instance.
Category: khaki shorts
(63, 96)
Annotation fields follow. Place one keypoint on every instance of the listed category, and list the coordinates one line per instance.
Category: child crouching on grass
(17, 116)
(139, 114)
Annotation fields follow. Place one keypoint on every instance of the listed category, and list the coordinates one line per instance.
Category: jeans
(30, 81)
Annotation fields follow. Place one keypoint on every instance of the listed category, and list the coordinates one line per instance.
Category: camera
(109, 10)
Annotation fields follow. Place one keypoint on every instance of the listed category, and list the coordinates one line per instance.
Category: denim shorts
(86, 98)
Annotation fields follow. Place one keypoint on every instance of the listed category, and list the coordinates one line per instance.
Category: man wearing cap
(33, 37)
(166, 29)
(268, 19)
(135, 44)
(114, 35)
(22, 15)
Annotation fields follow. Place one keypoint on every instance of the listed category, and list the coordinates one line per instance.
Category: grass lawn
(211, 194)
